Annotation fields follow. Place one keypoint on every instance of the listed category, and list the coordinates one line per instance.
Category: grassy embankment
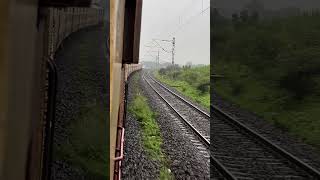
(87, 148)
(191, 82)
(272, 67)
(151, 137)
(88, 142)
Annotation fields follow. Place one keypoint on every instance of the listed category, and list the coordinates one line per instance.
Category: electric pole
(173, 47)
(158, 59)
(173, 41)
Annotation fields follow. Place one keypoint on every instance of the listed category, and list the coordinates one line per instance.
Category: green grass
(165, 174)
(191, 82)
(151, 137)
(88, 144)
(300, 118)
(272, 68)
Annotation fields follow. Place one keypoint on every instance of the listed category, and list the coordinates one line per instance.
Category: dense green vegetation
(271, 66)
(193, 82)
(151, 136)
(88, 145)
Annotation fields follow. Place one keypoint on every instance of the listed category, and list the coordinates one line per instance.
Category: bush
(193, 82)
(204, 87)
(272, 67)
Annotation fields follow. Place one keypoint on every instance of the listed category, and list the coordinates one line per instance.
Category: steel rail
(181, 98)
(223, 170)
(207, 143)
(260, 139)
(249, 131)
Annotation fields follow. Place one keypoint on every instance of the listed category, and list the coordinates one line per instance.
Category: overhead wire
(161, 47)
(189, 20)
(181, 26)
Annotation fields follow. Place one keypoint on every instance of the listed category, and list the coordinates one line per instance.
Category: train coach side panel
(116, 44)
(131, 68)
(125, 25)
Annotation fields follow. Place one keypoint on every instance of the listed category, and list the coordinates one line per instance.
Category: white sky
(182, 19)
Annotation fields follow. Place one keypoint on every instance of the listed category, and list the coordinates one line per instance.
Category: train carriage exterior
(29, 40)
(125, 25)
(30, 33)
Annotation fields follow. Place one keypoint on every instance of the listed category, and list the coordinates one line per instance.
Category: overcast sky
(182, 19)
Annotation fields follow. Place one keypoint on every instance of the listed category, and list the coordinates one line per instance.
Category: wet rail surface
(194, 117)
(202, 120)
(238, 152)
(244, 154)
(197, 120)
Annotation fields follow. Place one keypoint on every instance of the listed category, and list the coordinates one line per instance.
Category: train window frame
(131, 33)
(65, 3)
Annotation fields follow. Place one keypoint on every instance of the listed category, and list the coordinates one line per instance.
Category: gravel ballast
(185, 159)
(137, 164)
(291, 144)
(198, 120)
(82, 65)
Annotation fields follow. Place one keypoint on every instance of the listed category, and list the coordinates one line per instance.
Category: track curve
(238, 152)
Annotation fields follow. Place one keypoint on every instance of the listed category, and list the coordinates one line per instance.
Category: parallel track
(248, 155)
(239, 152)
(195, 118)
(222, 171)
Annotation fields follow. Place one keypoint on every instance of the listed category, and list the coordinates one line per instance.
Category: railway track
(173, 100)
(196, 119)
(238, 151)
(244, 154)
